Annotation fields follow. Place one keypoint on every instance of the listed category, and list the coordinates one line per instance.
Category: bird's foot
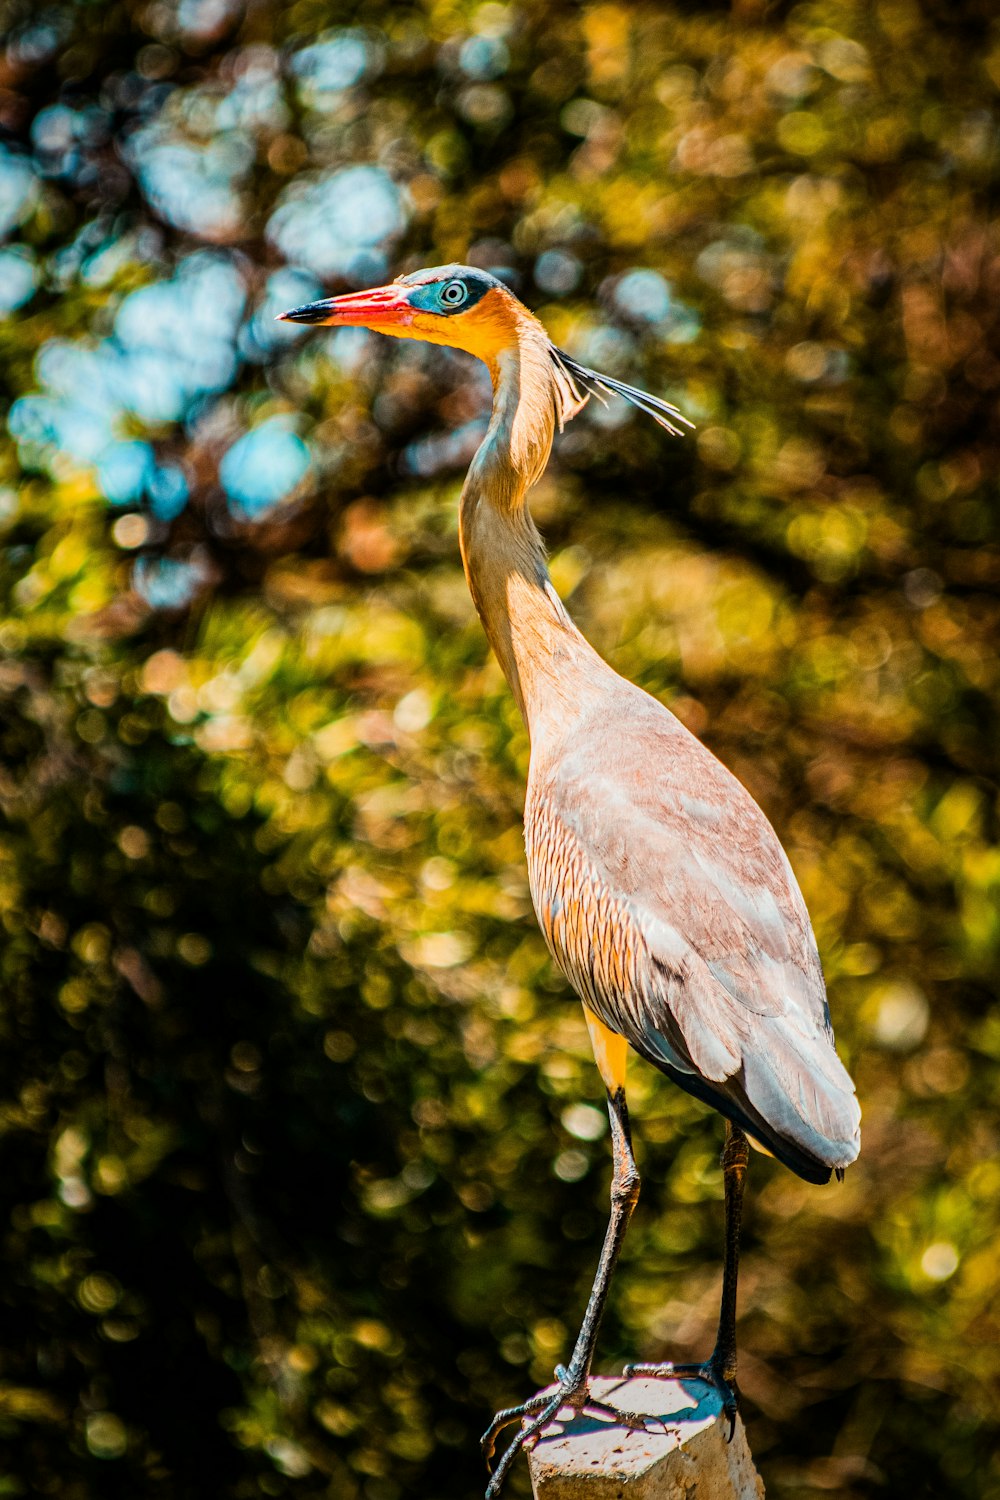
(717, 1372)
(572, 1390)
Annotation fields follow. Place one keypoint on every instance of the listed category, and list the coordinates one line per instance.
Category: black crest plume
(578, 383)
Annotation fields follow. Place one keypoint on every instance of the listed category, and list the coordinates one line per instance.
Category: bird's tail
(809, 1121)
(803, 1096)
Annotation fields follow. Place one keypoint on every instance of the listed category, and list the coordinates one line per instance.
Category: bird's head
(469, 309)
(454, 305)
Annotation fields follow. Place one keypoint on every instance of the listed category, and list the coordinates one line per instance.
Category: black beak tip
(311, 312)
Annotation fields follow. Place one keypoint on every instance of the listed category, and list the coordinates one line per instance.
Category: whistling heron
(661, 888)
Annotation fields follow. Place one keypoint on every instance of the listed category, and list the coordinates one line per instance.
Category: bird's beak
(383, 307)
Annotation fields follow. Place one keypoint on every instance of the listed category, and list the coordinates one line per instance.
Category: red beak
(378, 308)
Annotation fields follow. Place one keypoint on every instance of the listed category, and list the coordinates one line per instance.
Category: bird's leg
(720, 1368)
(624, 1196)
(735, 1157)
(573, 1378)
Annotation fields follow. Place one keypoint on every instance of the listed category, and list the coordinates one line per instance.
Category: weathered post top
(674, 1449)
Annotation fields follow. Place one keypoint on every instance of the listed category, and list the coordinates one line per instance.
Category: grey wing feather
(720, 984)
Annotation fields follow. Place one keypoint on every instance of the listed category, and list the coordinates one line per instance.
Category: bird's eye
(454, 294)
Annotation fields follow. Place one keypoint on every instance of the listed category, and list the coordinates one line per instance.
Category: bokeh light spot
(263, 467)
(939, 1261)
(18, 277)
(557, 272)
(18, 187)
(340, 224)
(106, 1435)
(337, 61)
(124, 470)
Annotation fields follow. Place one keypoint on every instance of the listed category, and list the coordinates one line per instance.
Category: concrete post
(675, 1450)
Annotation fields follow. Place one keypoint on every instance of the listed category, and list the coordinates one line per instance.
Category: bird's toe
(541, 1409)
(712, 1371)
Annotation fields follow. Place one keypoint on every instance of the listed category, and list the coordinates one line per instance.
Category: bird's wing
(668, 901)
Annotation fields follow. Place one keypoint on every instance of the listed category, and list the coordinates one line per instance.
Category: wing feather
(671, 907)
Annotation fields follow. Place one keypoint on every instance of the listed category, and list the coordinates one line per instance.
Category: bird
(662, 891)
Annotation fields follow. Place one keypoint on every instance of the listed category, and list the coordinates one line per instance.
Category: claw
(546, 1408)
(504, 1418)
(541, 1408)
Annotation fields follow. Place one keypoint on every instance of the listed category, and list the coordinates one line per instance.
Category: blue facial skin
(452, 294)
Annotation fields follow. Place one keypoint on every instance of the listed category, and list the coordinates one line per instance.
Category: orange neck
(543, 655)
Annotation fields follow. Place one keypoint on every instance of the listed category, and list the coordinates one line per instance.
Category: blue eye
(454, 294)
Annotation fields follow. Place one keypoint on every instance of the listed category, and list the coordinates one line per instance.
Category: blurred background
(303, 1155)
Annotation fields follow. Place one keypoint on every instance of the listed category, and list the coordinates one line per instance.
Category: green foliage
(304, 1170)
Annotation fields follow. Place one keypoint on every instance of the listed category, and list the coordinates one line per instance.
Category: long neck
(544, 657)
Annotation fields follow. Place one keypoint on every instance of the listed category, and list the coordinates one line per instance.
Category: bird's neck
(543, 655)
